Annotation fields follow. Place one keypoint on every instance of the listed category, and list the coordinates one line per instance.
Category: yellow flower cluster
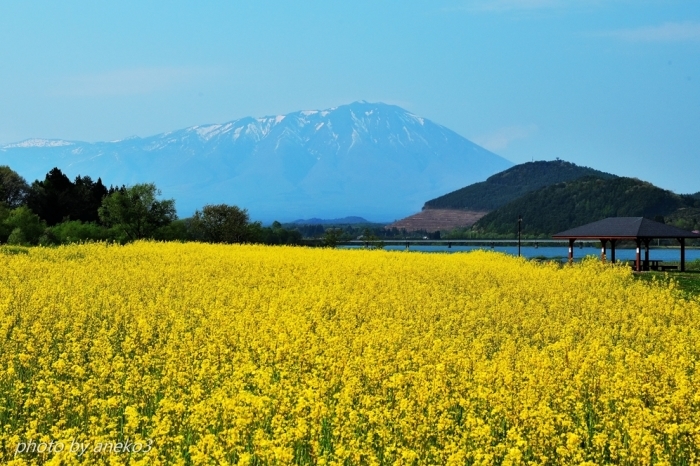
(209, 354)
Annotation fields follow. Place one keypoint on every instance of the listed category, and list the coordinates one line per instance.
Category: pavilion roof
(626, 227)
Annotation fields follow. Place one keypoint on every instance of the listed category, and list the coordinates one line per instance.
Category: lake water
(556, 252)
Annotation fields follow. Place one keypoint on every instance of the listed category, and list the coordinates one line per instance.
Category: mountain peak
(374, 159)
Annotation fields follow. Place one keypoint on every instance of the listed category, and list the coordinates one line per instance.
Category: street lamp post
(520, 221)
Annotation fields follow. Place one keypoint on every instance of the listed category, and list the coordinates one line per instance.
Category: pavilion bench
(664, 268)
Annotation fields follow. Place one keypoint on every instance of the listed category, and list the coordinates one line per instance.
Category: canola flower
(215, 354)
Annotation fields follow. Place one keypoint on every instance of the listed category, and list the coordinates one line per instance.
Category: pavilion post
(612, 250)
(646, 254)
(682, 240)
(571, 250)
(638, 258)
(604, 243)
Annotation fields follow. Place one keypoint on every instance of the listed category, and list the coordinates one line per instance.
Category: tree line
(56, 210)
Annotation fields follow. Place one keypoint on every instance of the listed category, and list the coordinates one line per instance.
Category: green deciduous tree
(26, 225)
(17, 238)
(178, 230)
(332, 237)
(5, 229)
(13, 188)
(223, 223)
(74, 231)
(136, 211)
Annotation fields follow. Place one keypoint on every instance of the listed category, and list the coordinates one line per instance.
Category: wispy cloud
(133, 81)
(667, 32)
(502, 137)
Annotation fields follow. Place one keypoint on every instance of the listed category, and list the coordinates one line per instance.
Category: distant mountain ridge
(506, 186)
(374, 159)
(333, 221)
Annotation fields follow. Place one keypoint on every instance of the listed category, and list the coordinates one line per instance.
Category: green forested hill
(687, 218)
(562, 206)
(508, 185)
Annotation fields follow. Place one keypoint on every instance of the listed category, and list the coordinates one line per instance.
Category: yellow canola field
(213, 354)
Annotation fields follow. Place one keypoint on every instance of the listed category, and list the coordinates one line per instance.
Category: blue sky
(611, 84)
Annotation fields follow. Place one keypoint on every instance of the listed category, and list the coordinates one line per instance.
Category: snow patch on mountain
(207, 132)
(39, 143)
(417, 118)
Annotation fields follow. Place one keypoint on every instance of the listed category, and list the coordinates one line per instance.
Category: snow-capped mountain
(368, 159)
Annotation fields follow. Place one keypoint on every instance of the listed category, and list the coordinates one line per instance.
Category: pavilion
(637, 229)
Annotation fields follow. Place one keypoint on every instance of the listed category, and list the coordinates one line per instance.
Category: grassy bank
(688, 282)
